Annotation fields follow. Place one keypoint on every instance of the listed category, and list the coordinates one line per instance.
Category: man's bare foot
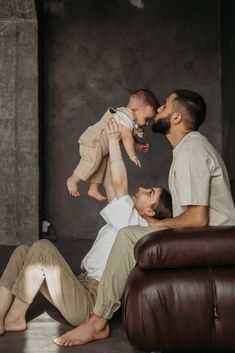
(12, 323)
(89, 331)
(72, 186)
(97, 195)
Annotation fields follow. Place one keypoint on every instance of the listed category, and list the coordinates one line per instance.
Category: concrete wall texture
(96, 53)
(228, 84)
(18, 122)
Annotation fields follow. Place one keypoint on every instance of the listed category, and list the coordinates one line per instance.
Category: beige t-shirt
(198, 176)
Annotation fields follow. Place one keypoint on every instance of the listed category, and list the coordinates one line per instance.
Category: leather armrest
(182, 248)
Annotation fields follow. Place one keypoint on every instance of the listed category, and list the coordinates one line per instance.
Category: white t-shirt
(198, 176)
(123, 119)
(117, 214)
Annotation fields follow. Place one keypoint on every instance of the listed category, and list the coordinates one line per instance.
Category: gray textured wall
(228, 84)
(96, 52)
(18, 122)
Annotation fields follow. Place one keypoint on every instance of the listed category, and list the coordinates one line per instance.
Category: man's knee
(124, 238)
(126, 234)
(122, 235)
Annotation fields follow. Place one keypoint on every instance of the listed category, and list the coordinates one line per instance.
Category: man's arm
(117, 165)
(193, 216)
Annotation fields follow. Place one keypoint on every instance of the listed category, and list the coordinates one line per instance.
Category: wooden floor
(38, 338)
(44, 323)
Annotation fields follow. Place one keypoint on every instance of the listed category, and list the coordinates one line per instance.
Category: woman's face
(145, 199)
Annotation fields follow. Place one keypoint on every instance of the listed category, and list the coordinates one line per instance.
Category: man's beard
(163, 125)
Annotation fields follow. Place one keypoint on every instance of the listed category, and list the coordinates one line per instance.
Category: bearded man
(201, 196)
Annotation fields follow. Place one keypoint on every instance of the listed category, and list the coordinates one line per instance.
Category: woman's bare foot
(93, 329)
(14, 323)
(72, 185)
(5, 304)
(2, 328)
(96, 194)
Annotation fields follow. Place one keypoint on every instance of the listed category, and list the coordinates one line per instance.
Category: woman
(42, 267)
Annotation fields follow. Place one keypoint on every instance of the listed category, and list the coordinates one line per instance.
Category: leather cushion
(183, 248)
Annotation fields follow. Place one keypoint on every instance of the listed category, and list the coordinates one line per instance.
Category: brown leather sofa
(181, 295)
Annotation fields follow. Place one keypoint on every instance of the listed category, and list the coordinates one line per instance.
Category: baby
(94, 145)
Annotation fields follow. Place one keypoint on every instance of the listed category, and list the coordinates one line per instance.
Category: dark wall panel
(96, 53)
(228, 84)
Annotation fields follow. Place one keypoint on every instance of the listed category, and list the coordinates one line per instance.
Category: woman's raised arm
(117, 165)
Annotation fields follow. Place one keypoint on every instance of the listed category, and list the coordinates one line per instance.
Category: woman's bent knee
(22, 249)
(42, 243)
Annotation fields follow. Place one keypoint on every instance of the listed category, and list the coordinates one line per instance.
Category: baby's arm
(129, 144)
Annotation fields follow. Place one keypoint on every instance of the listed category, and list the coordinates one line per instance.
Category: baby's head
(144, 105)
(153, 202)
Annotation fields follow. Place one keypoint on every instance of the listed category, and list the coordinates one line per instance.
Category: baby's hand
(142, 147)
(136, 160)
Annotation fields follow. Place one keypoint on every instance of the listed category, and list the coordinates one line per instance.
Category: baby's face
(143, 114)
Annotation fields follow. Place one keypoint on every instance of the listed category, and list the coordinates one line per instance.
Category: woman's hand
(113, 129)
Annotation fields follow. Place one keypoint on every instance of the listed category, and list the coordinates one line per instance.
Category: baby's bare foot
(72, 187)
(97, 195)
(13, 323)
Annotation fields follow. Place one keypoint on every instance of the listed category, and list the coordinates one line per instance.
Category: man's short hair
(192, 106)
(146, 97)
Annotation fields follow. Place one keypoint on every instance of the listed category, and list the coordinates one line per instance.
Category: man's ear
(176, 118)
(149, 212)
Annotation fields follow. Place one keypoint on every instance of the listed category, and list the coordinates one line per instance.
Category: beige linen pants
(42, 267)
(93, 162)
(119, 265)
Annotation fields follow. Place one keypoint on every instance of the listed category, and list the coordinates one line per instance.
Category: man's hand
(192, 217)
(142, 147)
(153, 222)
(136, 160)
